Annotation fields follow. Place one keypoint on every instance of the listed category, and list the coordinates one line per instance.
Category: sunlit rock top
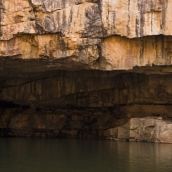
(96, 34)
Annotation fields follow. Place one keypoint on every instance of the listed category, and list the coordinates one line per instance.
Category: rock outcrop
(84, 104)
(96, 33)
(142, 129)
(85, 68)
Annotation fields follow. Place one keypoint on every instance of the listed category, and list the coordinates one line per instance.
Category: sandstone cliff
(101, 34)
(83, 68)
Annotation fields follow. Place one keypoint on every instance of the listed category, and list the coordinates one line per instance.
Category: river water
(69, 155)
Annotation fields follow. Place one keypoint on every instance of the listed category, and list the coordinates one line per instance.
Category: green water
(54, 155)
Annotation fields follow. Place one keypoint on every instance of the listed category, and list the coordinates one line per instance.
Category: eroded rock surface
(96, 33)
(84, 104)
(143, 129)
(52, 53)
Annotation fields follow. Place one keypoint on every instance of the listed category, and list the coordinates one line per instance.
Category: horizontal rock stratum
(151, 129)
(86, 69)
(95, 34)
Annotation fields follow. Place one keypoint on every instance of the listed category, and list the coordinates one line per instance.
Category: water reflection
(54, 155)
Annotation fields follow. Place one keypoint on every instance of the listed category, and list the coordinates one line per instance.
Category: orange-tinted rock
(96, 33)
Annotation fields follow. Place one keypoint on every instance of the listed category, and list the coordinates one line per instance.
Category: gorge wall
(85, 68)
(96, 34)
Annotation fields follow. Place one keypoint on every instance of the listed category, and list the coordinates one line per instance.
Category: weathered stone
(145, 129)
(57, 123)
(110, 133)
(123, 53)
(142, 93)
(48, 50)
(89, 32)
(123, 131)
(136, 18)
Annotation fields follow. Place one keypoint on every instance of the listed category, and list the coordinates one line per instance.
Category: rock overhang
(83, 65)
(88, 34)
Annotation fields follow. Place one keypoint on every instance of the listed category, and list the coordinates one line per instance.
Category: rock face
(143, 129)
(60, 123)
(96, 33)
(86, 68)
(144, 93)
(87, 104)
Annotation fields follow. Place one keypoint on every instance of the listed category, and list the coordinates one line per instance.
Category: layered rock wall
(91, 89)
(86, 104)
(96, 33)
(49, 50)
(142, 129)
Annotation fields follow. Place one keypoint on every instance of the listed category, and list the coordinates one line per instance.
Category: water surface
(54, 155)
